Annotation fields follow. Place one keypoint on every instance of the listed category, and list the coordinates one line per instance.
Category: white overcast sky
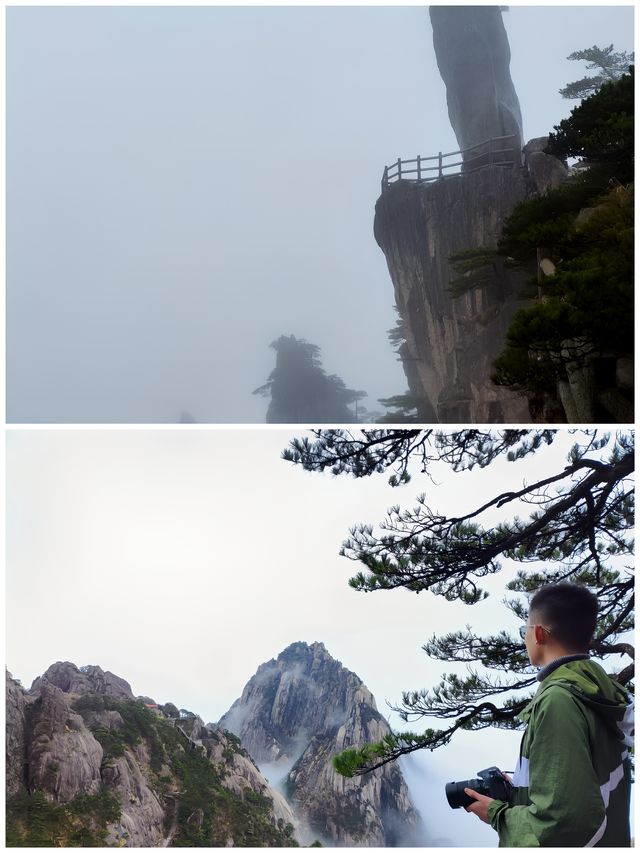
(183, 559)
(185, 184)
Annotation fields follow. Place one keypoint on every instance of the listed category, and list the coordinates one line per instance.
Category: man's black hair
(570, 611)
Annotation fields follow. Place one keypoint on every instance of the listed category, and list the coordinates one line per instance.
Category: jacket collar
(549, 668)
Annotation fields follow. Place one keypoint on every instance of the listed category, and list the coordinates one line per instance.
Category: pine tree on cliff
(301, 391)
(586, 229)
(579, 530)
(609, 64)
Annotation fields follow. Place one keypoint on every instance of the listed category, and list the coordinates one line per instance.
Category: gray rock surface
(545, 171)
(298, 712)
(453, 335)
(142, 818)
(241, 772)
(90, 679)
(63, 756)
(473, 55)
(52, 749)
(16, 753)
(453, 341)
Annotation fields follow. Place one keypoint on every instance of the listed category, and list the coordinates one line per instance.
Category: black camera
(491, 783)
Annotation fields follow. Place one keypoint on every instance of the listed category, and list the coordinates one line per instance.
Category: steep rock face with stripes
(452, 341)
(294, 715)
(90, 764)
(16, 706)
(453, 334)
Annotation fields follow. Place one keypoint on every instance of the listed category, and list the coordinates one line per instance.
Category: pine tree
(301, 391)
(579, 528)
(584, 316)
(601, 130)
(610, 64)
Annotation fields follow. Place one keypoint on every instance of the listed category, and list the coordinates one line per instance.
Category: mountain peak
(296, 713)
(69, 678)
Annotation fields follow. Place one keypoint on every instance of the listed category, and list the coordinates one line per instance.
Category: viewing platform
(491, 152)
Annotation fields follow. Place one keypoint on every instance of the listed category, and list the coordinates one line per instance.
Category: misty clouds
(184, 185)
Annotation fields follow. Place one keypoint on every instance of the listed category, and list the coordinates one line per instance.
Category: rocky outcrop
(141, 820)
(473, 55)
(297, 712)
(88, 764)
(63, 756)
(16, 723)
(90, 679)
(454, 334)
(455, 321)
(452, 341)
(242, 772)
(544, 172)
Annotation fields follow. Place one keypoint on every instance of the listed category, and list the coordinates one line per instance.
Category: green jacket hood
(587, 681)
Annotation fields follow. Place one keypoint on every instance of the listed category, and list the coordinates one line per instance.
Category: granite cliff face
(451, 342)
(452, 338)
(89, 764)
(454, 334)
(294, 715)
(90, 679)
(16, 752)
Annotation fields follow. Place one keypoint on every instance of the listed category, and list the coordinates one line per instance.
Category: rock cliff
(452, 338)
(16, 750)
(89, 764)
(454, 334)
(294, 715)
(89, 679)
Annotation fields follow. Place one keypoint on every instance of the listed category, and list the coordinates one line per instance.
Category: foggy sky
(186, 184)
(182, 559)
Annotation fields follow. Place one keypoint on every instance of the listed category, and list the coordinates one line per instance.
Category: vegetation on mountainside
(198, 808)
(401, 409)
(406, 407)
(600, 130)
(475, 267)
(586, 229)
(576, 526)
(34, 821)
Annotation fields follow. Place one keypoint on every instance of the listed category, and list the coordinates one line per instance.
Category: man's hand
(481, 806)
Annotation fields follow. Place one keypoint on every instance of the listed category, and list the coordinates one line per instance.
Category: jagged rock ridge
(298, 712)
(89, 764)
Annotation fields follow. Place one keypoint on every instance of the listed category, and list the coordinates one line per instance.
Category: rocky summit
(294, 715)
(89, 764)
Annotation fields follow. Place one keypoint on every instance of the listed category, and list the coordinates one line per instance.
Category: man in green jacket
(572, 783)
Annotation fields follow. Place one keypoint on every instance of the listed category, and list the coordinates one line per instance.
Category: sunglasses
(524, 628)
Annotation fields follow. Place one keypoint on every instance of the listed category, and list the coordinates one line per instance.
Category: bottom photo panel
(319, 638)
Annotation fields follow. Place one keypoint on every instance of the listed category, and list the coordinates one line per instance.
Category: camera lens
(456, 796)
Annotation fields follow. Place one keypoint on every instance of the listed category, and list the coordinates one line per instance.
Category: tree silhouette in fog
(300, 390)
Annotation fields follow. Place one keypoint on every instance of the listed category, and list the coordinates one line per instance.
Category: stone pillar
(473, 55)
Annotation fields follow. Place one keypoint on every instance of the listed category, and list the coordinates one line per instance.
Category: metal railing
(491, 152)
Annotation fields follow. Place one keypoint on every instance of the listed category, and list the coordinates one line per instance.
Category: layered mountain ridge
(90, 764)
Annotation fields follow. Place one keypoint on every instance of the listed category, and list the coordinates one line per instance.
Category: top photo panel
(320, 215)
